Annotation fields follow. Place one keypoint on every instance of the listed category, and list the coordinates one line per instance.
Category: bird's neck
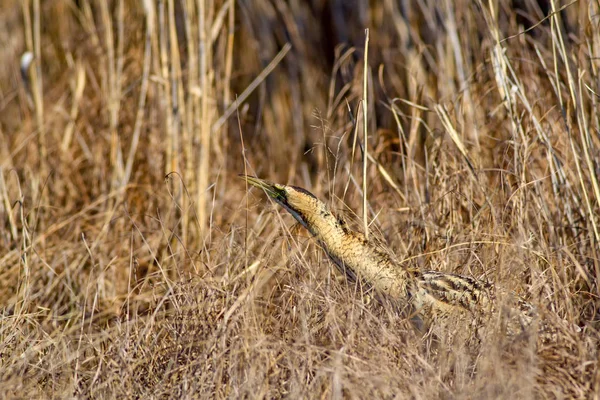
(327, 228)
(342, 244)
(355, 256)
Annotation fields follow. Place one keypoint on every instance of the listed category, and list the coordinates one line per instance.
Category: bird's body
(428, 293)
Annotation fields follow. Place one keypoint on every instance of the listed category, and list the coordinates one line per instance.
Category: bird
(428, 295)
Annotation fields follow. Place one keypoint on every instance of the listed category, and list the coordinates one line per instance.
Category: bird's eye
(281, 195)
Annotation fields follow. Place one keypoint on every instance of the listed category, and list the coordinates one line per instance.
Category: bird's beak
(279, 195)
(267, 186)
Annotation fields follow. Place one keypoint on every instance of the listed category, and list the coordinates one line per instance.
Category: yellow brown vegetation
(133, 262)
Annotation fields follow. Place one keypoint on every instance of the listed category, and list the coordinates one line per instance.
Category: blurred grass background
(134, 263)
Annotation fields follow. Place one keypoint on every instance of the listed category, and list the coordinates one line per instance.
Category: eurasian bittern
(428, 293)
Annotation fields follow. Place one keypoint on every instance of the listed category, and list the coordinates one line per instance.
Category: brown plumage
(429, 294)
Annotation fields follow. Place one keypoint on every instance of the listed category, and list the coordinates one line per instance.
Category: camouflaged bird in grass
(429, 294)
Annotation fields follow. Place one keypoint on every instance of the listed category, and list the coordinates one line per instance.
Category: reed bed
(134, 262)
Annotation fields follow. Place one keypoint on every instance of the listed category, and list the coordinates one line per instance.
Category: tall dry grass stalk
(133, 262)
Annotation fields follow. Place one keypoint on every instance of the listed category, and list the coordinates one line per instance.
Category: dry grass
(483, 145)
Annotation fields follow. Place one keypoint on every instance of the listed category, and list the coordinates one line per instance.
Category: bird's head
(297, 201)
